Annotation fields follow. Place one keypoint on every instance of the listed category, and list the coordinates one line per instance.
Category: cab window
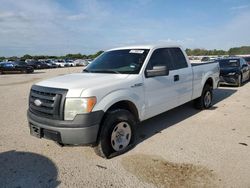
(160, 57)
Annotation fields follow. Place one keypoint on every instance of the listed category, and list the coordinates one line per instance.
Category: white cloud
(77, 17)
(239, 7)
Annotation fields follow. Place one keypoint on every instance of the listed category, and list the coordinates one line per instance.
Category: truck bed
(197, 64)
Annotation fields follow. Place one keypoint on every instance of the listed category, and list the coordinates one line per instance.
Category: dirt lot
(183, 147)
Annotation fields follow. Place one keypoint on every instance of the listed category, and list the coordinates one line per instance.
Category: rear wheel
(117, 134)
(205, 100)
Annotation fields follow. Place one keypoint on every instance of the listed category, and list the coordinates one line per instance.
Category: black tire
(202, 103)
(111, 121)
(24, 71)
(239, 80)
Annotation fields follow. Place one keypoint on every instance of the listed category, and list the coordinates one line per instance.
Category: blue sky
(58, 27)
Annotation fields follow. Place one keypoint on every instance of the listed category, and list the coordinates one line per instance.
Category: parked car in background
(208, 59)
(60, 62)
(81, 62)
(14, 67)
(70, 63)
(233, 71)
(50, 64)
(205, 59)
(38, 64)
(247, 59)
(89, 60)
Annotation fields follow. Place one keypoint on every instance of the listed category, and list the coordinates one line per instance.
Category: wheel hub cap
(121, 136)
(207, 99)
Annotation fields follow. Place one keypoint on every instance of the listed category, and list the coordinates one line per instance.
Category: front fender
(120, 95)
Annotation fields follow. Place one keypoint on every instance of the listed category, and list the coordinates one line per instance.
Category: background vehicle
(234, 70)
(50, 64)
(38, 64)
(247, 59)
(122, 87)
(205, 59)
(89, 60)
(81, 62)
(12, 67)
(208, 59)
(70, 63)
(60, 62)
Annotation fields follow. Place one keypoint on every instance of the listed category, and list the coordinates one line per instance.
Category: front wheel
(117, 134)
(205, 100)
(24, 71)
(239, 81)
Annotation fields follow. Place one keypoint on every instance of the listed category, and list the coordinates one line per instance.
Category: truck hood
(78, 82)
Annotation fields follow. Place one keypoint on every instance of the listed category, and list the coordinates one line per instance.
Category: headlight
(231, 73)
(74, 106)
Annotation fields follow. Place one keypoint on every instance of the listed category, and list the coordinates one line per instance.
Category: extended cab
(103, 105)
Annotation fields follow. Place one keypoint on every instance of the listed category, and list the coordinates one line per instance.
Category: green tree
(2, 58)
(239, 50)
(26, 56)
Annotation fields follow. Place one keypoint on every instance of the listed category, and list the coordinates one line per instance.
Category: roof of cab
(148, 46)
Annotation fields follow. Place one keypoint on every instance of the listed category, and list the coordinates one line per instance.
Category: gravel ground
(183, 147)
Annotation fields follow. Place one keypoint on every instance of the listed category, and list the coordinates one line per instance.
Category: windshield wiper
(106, 71)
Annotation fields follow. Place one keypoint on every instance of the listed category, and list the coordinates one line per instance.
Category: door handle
(176, 78)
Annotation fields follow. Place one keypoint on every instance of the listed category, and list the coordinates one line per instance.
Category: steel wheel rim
(121, 136)
(207, 99)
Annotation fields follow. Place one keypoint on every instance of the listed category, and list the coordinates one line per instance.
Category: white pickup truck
(103, 105)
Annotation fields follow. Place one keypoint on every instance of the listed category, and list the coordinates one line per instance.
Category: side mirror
(157, 71)
(245, 65)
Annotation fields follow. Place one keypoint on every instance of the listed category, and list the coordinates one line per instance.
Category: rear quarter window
(178, 58)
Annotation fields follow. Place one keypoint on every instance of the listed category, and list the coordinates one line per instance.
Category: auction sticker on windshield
(136, 51)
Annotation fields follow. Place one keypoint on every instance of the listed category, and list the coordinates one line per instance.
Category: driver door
(161, 92)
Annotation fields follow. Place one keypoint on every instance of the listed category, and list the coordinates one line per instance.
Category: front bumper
(83, 130)
(230, 80)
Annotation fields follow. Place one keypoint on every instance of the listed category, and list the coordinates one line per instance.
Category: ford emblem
(37, 102)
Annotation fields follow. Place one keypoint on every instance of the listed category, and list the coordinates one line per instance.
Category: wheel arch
(209, 82)
(126, 105)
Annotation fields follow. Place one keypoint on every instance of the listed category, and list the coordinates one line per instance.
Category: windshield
(247, 59)
(229, 63)
(127, 61)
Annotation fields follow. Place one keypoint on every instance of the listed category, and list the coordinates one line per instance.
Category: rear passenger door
(183, 78)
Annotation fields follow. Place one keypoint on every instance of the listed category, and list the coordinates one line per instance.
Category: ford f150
(103, 105)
